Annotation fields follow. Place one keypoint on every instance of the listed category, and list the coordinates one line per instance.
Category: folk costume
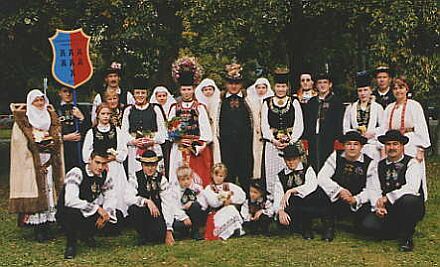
(155, 188)
(281, 120)
(387, 97)
(109, 138)
(255, 104)
(37, 167)
(190, 130)
(235, 131)
(227, 219)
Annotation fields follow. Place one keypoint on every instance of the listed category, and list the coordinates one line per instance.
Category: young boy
(257, 211)
(148, 196)
(221, 197)
(188, 211)
(296, 198)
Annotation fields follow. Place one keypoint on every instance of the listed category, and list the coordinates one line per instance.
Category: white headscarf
(39, 119)
(214, 99)
(170, 98)
(252, 90)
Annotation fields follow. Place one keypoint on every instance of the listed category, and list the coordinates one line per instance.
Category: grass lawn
(17, 247)
(5, 133)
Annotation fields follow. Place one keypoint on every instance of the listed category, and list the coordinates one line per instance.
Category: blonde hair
(110, 93)
(219, 168)
(183, 171)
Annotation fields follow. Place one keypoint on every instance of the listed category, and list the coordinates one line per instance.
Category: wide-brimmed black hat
(353, 136)
(385, 69)
(291, 151)
(393, 135)
(260, 185)
(363, 79)
(281, 75)
(186, 78)
(149, 157)
(322, 76)
(115, 68)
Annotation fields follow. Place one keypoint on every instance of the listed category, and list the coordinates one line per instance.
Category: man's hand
(104, 217)
(381, 210)
(187, 222)
(169, 239)
(345, 195)
(284, 217)
(72, 137)
(77, 113)
(154, 211)
(286, 197)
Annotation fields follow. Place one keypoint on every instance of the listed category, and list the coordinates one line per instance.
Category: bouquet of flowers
(187, 64)
(175, 129)
(224, 195)
(283, 136)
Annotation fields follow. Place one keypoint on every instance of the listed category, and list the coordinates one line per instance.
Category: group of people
(214, 164)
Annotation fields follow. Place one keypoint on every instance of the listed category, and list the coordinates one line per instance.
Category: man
(306, 90)
(383, 93)
(344, 178)
(236, 129)
(398, 194)
(112, 78)
(324, 116)
(74, 125)
(87, 202)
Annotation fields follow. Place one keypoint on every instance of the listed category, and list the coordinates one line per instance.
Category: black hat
(281, 75)
(186, 78)
(291, 151)
(259, 184)
(353, 136)
(115, 68)
(233, 74)
(383, 69)
(323, 76)
(139, 82)
(149, 157)
(363, 79)
(393, 135)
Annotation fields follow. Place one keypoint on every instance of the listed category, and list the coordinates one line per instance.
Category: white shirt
(375, 122)
(98, 100)
(211, 198)
(267, 210)
(176, 195)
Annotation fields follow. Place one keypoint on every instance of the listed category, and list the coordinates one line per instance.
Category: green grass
(17, 247)
(5, 133)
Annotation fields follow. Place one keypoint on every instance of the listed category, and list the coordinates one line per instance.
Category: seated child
(257, 211)
(188, 211)
(149, 198)
(220, 197)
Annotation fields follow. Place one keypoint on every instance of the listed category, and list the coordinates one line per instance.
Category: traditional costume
(37, 167)
(387, 97)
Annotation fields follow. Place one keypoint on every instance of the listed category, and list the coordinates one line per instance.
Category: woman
(281, 125)
(366, 116)
(406, 115)
(107, 137)
(111, 98)
(208, 94)
(163, 97)
(189, 129)
(37, 172)
(256, 94)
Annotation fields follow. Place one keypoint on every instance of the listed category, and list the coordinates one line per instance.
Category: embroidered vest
(91, 186)
(257, 205)
(351, 175)
(188, 195)
(292, 180)
(235, 121)
(280, 117)
(392, 176)
(103, 141)
(141, 120)
(149, 187)
(189, 118)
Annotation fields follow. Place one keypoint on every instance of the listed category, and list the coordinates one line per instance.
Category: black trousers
(401, 220)
(77, 226)
(150, 229)
(260, 226)
(197, 216)
(238, 158)
(166, 150)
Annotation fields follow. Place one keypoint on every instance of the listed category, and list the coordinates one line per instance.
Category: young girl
(222, 197)
(107, 137)
(257, 211)
(163, 97)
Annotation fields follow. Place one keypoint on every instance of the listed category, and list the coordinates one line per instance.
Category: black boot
(70, 252)
(407, 245)
(329, 229)
(307, 232)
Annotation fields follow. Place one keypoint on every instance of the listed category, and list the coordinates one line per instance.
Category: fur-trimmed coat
(28, 178)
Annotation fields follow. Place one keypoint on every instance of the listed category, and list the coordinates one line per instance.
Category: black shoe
(307, 234)
(407, 245)
(329, 234)
(70, 252)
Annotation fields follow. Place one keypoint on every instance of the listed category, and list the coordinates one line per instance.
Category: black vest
(351, 175)
(385, 100)
(149, 187)
(91, 186)
(65, 115)
(293, 179)
(392, 176)
(188, 195)
(280, 117)
(142, 120)
(235, 122)
(103, 141)
(189, 118)
(255, 206)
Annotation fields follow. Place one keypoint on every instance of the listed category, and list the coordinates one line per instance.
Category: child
(296, 197)
(257, 211)
(188, 211)
(221, 197)
(148, 196)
